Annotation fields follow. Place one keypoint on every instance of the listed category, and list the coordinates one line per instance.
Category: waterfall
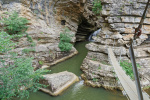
(94, 34)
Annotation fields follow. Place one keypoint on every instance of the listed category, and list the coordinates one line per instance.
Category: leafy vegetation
(127, 66)
(33, 44)
(94, 59)
(29, 38)
(15, 24)
(99, 67)
(28, 50)
(41, 62)
(5, 42)
(65, 39)
(97, 6)
(95, 80)
(17, 76)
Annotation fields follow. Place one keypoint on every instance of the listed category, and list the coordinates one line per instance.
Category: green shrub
(33, 44)
(94, 59)
(5, 42)
(128, 68)
(95, 80)
(65, 36)
(29, 38)
(65, 39)
(99, 67)
(19, 76)
(15, 24)
(64, 46)
(17, 73)
(97, 6)
(28, 50)
(41, 62)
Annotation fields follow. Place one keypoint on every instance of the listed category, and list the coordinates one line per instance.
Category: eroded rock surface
(47, 18)
(58, 82)
(98, 72)
(118, 20)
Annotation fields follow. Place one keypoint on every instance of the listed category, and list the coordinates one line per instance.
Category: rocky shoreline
(98, 72)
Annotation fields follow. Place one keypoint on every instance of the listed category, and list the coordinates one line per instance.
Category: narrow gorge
(92, 34)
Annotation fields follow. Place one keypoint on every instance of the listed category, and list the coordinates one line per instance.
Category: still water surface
(78, 91)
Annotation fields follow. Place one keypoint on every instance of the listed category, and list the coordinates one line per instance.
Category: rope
(136, 34)
(142, 21)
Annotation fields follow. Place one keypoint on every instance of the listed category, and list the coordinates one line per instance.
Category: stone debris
(58, 82)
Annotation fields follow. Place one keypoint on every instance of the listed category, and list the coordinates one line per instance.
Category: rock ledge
(58, 82)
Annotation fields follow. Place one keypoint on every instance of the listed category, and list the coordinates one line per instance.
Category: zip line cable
(132, 56)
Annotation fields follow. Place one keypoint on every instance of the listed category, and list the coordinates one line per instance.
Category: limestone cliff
(47, 18)
(119, 20)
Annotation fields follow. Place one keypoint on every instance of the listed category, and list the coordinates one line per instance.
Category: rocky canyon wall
(118, 19)
(47, 18)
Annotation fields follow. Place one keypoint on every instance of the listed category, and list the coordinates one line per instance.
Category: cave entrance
(85, 29)
(63, 22)
(148, 39)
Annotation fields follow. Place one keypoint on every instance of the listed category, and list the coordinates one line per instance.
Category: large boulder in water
(58, 82)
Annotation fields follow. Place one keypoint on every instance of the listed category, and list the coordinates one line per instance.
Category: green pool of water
(78, 91)
(73, 64)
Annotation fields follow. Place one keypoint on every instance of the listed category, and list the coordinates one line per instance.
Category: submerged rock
(58, 82)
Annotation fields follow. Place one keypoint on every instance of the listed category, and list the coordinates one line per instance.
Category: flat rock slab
(58, 82)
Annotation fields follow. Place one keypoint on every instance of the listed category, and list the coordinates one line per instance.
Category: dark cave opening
(85, 29)
(148, 39)
(63, 22)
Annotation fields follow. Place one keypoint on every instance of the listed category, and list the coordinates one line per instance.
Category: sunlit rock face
(47, 18)
(59, 13)
(58, 82)
(118, 22)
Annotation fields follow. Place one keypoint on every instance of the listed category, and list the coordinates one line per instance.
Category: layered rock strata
(47, 18)
(119, 20)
